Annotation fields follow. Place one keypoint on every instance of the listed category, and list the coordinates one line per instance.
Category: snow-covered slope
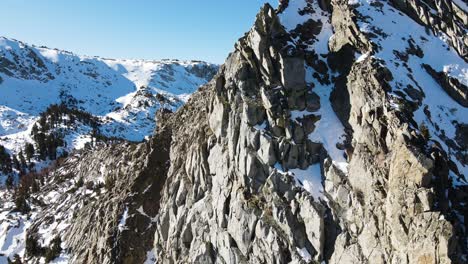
(123, 94)
(408, 51)
(336, 132)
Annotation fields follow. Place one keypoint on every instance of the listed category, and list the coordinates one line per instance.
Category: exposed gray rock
(214, 185)
(244, 198)
(457, 90)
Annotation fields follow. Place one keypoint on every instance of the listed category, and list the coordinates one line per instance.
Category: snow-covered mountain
(123, 94)
(335, 132)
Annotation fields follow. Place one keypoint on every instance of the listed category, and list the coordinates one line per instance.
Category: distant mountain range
(123, 95)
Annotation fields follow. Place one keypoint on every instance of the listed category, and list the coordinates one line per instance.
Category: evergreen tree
(21, 203)
(72, 119)
(40, 139)
(54, 250)
(29, 150)
(9, 182)
(22, 160)
(43, 123)
(5, 161)
(51, 144)
(33, 248)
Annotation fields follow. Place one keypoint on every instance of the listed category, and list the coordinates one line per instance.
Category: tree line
(48, 136)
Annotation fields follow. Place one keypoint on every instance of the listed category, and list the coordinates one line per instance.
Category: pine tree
(32, 247)
(9, 182)
(29, 149)
(21, 203)
(54, 250)
(5, 161)
(22, 160)
(41, 141)
(72, 119)
(43, 123)
(52, 143)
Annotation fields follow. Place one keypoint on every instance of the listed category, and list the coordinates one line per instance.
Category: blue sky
(146, 29)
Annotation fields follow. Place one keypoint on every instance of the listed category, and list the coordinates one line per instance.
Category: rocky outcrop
(306, 147)
(385, 202)
(223, 200)
(458, 91)
(205, 71)
(31, 68)
(237, 207)
(102, 203)
(388, 200)
(440, 16)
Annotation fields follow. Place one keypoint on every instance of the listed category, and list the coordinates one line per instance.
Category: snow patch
(50, 54)
(261, 127)
(123, 220)
(304, 253)
(290, 18)
(310, 179)
(329, 131)
(361, 57)
(151, 258)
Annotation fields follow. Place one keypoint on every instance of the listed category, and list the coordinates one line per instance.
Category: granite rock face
(224, 201)
(319, 140)
(97, 203)
(241, 204)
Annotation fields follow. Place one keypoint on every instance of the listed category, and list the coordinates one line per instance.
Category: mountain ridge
(122, 94)
(323, 138)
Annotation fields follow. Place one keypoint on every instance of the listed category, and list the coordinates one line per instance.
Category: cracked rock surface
(322, 139)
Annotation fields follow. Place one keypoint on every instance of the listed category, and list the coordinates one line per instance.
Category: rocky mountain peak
(324, 138)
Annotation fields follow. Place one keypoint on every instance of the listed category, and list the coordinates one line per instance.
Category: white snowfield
(122, 93)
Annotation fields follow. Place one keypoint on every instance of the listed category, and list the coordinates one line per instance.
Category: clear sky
(146, 29)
